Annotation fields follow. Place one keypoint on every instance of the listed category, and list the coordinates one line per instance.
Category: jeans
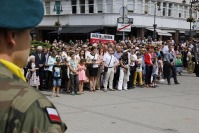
(74, 83)
(56, 82)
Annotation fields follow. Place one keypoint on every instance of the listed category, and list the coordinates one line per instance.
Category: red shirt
(147, 59)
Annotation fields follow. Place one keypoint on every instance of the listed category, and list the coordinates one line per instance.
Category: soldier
(22, 108)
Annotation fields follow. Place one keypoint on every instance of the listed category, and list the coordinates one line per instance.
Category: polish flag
(53, 115)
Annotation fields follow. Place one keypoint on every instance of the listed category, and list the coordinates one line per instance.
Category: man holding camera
(170, 66)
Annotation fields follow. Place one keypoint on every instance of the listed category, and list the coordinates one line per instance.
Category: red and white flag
(53, 115)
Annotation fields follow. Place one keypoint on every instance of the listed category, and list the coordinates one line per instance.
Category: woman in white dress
(33, 71)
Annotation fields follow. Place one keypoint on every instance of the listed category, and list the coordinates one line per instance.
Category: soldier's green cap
(20, 14)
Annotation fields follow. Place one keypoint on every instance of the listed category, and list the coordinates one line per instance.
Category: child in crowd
(81, 75)
(57, 75)
(154, 73)
(179, 64)
(138, 72)
(73, 63)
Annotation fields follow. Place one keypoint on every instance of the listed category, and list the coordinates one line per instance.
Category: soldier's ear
(11, 38)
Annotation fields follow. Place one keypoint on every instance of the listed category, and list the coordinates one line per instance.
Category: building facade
(171, 17)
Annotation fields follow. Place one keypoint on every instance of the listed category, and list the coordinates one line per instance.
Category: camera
(94, 60)
(171, 60)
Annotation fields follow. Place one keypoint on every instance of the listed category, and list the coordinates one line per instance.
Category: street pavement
(166, 109)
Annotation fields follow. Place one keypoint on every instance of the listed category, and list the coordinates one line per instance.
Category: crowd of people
(128, 64)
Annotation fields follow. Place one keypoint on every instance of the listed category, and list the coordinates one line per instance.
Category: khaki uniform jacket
(22, 108)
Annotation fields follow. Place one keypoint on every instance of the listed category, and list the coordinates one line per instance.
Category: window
(169, 10)
(91, 6)
(164, 9)
(146, 7)
(74, 6)
(57, 7)
(82, 6)
(99, 6)
(130, 6)
(47, 6)
(180, 11)
(109, 6)
(185, 12)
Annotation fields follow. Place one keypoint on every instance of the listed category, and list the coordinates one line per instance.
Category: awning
(170, 31)
(78, 30)
(161, 32)
(182, 32)
(164, 34)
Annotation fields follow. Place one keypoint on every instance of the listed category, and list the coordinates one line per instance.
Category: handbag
(90, 66)
(106, 68)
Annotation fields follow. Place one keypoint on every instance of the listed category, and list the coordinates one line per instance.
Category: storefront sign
(104, 38)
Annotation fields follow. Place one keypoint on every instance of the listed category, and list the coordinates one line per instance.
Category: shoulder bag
(106, 68)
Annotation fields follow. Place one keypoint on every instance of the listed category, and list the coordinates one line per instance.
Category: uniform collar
(13, 68)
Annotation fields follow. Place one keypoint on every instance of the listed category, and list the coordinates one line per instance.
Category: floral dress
(34, 79)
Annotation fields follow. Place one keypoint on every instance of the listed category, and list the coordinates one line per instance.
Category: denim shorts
(56, 82)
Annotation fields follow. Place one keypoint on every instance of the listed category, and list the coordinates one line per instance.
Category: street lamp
(192, 8)
(58, 10)
(155, 25)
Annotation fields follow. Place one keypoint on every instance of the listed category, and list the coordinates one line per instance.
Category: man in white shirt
(109, 64)
(165, 48)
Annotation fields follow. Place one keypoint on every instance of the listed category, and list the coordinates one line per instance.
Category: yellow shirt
(13, 68)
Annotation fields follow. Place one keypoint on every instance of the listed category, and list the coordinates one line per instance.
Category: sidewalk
(166, 109)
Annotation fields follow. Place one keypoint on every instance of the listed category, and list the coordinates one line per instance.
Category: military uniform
(23, 109)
